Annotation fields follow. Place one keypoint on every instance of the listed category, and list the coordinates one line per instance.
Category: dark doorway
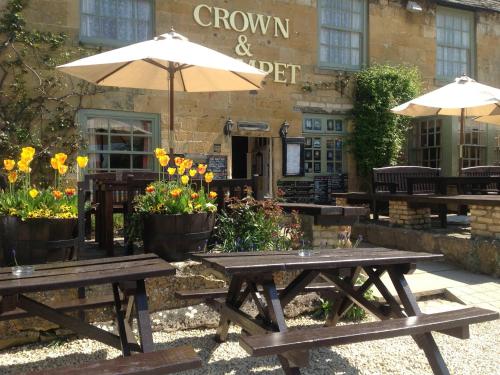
(239, 157)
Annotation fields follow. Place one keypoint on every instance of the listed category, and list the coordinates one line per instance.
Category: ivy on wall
(379, 135)
(38, 104)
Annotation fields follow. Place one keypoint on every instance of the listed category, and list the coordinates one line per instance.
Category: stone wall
(341, 201)
(485, 221)
(401, 214)
(477, 254)
(322, 235)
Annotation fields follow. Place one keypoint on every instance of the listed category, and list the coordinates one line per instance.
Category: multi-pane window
(116, 22)
(120, 141)
(474, 151)
(323, 145)
(454, 43)
(342, 27)
(429, 142)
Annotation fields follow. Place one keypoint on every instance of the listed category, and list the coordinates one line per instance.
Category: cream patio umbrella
(492, 118)
(465, 97)
(167, 62)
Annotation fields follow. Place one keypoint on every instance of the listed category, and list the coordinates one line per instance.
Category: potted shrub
(177, 218)
(33, 217)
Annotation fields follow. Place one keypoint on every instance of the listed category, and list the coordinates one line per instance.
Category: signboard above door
(253, 126)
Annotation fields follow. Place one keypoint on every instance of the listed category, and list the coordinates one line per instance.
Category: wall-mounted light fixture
(228, 127)
(413, 7)
(284, 129)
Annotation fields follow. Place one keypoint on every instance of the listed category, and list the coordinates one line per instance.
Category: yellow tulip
(61, 157)
(54, 163)
(164, 159)
(187, 163)
(82, 161)
(62, 169)
(178, 161)
(171, 171)
(9, 164)
(184, 179)
(202, 168)
(12, 177)
(159, 152)
(23, 166)
(209, 176)
(33, 193)
(181, 170)
(192, 172)
(27, 154)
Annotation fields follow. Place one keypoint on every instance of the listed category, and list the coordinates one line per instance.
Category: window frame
(480, 131)
(85, 114)
(109, 42)
(324, 135)
(363, 49)
(471, 64)
(421, 149)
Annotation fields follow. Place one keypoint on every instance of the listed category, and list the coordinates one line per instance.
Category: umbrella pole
(171, 72)
(462, 140)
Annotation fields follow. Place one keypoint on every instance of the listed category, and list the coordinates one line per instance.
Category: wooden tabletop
(322, 209)
(83, 273)
(249, 262)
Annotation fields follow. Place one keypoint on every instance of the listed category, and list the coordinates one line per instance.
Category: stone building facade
(310, 49)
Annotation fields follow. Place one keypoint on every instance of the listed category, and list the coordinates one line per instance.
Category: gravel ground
(478, 355)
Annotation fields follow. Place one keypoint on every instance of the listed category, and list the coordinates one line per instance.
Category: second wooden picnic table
(267, 333)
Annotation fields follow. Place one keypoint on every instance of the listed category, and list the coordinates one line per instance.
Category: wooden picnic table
(267, 333)
(125, 274)
(441, 183)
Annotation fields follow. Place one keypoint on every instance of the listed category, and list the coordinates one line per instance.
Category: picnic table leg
(108, 223)
(232, 299)
(342, 303)
(291, 361)
(143, 320)
(120, 321)
(425, 341)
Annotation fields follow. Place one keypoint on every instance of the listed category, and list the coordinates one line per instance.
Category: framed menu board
(218, 165)
(293, 156)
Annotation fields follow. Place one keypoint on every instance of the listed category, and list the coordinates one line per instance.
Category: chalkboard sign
(218, 165)
(324, 186)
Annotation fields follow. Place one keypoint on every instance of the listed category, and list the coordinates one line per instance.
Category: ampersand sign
(243, 47)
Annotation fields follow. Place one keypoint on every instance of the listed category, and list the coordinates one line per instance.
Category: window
(116, 22)
(474, 151)
(323, 148)
(120, 140)
(454, 43)
(342, 28)
(429, 143)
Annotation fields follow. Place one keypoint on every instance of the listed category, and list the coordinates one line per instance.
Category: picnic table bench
(464, 184)
(125, 275)
(267, 333)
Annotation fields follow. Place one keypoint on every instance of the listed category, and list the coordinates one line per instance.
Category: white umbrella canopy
(465, 93)
(167, 62)
(492, 118)
(464, 97)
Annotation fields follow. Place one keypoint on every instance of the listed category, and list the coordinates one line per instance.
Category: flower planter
(35, 240)
(174, 237)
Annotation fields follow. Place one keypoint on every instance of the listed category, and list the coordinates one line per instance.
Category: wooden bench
(484, 171)
(393, 179)
(455, 323)
(166, 361)
(212, 294)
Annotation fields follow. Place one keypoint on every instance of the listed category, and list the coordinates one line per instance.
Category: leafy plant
(38, 104)
(248, 225)
(379, 135)
(353, 314)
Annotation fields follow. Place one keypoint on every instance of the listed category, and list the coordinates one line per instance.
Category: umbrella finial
(171, 35)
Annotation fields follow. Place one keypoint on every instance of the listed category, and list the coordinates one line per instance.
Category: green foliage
(379, 135)
(354, 314)
(251, 225)
(37, 103)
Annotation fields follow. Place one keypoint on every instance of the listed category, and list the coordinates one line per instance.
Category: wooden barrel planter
(36, 241)
(174, 237)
